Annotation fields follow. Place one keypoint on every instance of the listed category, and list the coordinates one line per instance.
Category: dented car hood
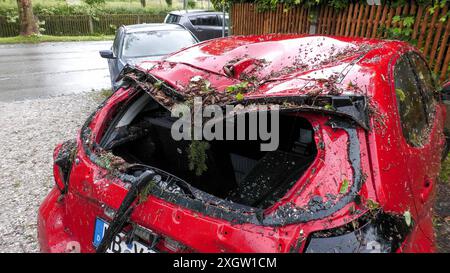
(278, 65)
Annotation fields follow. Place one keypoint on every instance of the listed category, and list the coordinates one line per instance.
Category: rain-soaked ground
(29, 71)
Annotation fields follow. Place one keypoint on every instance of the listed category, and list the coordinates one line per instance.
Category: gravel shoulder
(29, 131)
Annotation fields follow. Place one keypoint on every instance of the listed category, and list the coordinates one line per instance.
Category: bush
(191, 4)
(82, 9)
(95, 2)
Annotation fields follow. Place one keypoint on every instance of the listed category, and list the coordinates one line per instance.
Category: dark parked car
(136, 43)
(203, 24)
(361, 135)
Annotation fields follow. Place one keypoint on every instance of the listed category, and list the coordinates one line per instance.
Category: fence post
(312, 17)
(91, 25)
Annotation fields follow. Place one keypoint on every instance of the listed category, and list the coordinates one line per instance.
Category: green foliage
(146, 191)
(169, 3)
(271, 4)
(39, 9)
(402, 30)
(338, 4)
(400, 94)
(12, 18)
(444, 176)
(240, 87)
(197, 156)
(219, 4)
(329, 107)
(191, 4)
(94, 2)
(440, 4)
(344, 186)
(239, 96)
(372, 205)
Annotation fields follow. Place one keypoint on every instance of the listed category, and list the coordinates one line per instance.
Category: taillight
(380, 233)
(63, 157)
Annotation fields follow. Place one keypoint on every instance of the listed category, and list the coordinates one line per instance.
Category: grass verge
(101, 95)
(34, 39)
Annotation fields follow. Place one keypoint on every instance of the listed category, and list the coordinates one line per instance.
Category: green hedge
(80, 25)
(269, 4)
(82, 9)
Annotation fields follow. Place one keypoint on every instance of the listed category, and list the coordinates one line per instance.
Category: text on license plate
(118, 245)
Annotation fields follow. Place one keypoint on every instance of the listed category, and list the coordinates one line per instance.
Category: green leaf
(197, 156)
(407, 216)
(157, 84)
(407, 32)
(237, 87)
(408, 21)
(400, 94)
(431, 10)
(231, 89)
(239, 97)
(396, 31)
(329, 107)
(396, 19)
(372, 205)
(344, 186)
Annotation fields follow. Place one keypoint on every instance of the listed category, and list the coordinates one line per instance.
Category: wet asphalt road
(29, 71)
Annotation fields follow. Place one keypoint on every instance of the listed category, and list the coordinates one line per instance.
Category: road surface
(29, 71)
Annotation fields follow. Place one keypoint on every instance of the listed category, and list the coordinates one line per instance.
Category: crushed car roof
(281, 64)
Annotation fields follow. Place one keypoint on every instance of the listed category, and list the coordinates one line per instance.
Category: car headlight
(380, 233)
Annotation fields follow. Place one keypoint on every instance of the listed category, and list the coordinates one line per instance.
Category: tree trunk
(28, 22)
(143, 3)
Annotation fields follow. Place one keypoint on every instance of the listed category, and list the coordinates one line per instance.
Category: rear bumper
(53, 233)
(56, 232)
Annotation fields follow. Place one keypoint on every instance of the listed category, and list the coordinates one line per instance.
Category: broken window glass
(410, 103)
(235, 170)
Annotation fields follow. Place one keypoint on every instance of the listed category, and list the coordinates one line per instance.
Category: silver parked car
(136, 43)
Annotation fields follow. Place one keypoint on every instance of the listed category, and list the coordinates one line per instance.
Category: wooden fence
(430, 34)
(81, 24)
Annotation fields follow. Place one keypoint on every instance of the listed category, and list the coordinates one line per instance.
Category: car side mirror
(107, 54)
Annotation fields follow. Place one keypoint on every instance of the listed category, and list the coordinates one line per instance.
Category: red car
(361, 126)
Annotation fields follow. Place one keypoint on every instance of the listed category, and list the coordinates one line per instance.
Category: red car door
(421, 125)
(432, 150)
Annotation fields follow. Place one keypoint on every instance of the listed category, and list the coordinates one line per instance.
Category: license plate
(118, 244)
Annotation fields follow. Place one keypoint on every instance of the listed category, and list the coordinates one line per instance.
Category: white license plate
(118, 244)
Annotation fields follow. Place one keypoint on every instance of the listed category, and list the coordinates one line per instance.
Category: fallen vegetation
(445, 171)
